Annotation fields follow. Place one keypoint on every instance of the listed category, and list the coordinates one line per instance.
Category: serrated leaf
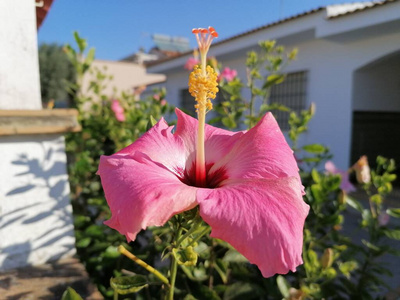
(71, 294)
(127, 285)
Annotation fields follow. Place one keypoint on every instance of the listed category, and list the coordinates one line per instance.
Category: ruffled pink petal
(160, 145)
(262, 152)
(141, 192)
(262, 218)
(218, 142)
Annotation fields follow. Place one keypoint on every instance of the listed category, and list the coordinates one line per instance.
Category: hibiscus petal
(262, 152)
(218, 142)
(262, 218)
(141, 192)
(160, 145)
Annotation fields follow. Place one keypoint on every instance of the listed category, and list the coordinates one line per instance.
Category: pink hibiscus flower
(228, 74)
(118, 110)
(345, 185)
(251, 198)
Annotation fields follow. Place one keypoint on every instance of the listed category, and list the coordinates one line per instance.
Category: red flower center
(213, 180)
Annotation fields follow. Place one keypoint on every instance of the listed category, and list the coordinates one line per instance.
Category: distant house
(126, 76)
(348, 65)
(130, 73)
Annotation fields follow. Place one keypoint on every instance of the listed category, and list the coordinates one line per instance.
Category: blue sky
(118, 28)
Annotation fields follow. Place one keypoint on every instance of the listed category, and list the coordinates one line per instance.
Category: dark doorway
(376, 133)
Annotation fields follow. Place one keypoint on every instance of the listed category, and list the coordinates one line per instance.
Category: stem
(141, 263)
(174, 266)
(195, 226)
(174, 269)
(205, 230)
(252, 98)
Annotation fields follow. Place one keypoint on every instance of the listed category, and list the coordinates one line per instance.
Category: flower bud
(327, 258)
(362, 170)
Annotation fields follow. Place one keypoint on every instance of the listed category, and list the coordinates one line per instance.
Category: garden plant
(229, 214)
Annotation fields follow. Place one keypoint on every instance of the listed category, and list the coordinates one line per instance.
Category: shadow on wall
(36, 220)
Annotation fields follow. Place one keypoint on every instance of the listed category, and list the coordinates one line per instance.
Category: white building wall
(36, 215)
(19, 64)
(330, 65)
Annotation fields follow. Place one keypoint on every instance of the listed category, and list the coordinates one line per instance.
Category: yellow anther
(203, 88)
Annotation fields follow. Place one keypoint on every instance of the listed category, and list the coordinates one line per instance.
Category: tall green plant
(108, 125)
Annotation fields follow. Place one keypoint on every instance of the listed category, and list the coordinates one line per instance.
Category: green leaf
(82, 44)
(354, 203)
(377, 199)
(127, 285)
(94, 231)
(315, 176)
(273, 79)
(347, 267)
(228, 122)
(393, 234)
(234, 256)
(111, 252)
(153, 121)
(186, 256)
(314, 148)
(83, 243)
(283, 286)
(317, 193)
(242, 290)
(393, 212)
(90, 56)
(71, 294)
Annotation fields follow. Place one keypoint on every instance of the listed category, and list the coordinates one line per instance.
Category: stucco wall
(19, 66)
(377, 86)
(36, 216)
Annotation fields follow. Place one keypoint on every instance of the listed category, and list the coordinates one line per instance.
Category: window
(291, 93)
(187, 102)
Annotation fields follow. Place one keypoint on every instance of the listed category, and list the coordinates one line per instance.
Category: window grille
(291, 93)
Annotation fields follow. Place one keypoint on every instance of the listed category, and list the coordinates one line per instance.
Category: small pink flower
(345, 185)
(163, 102)
(228, 74)
(252, 196)
(118, 110)
(190, 63)
(156, 97)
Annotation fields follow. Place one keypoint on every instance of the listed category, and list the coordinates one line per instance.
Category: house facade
(349, 65)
